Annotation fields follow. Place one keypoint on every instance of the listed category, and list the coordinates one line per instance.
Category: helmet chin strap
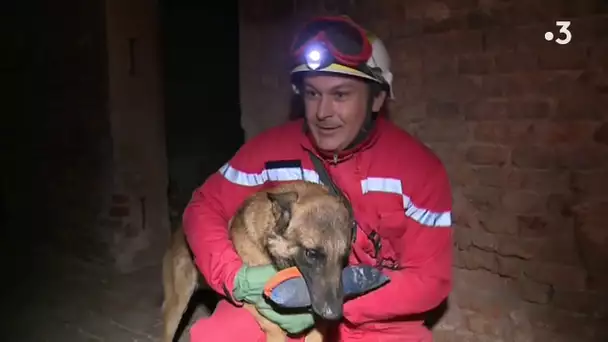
(366, 128)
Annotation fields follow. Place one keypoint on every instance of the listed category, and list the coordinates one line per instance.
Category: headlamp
(317, 56)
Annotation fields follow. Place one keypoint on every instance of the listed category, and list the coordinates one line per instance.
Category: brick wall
(135, 222)
(86, 160)
(520, 123)
(71, 146)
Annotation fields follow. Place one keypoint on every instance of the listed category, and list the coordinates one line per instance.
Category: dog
(293, 224)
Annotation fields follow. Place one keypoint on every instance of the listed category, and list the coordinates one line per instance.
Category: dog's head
(313, 232)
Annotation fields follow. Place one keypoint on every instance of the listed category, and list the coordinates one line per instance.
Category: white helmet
(338, 45)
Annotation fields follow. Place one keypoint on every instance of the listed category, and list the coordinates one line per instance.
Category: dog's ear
(283, 202)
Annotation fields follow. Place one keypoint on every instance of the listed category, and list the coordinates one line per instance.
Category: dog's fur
(294, 224)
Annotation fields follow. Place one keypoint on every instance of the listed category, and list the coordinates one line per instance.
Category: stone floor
(72, 301)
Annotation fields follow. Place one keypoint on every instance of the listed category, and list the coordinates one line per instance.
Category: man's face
(336, 108)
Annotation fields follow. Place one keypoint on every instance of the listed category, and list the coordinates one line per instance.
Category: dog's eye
(312, 253)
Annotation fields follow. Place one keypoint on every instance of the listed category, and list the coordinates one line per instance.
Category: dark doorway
(201, 70)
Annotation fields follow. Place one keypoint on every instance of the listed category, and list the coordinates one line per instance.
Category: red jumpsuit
(399, 191)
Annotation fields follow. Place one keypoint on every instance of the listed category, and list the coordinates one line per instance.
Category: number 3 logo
(563, 28)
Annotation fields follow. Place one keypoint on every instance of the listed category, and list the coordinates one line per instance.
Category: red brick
(487, 155)
(594, 212)
(484, 198)
(120, 199)
(601, 134)
(530, 225)
(511, 267)
(451, 335)
(435, 131)
(591, 183)
(408, 90)
(499, 222)
(452, 88)
(516, 61)
(483, 240)
(449, 152)
(537, 226)
(382, 28)
(503, 39)
(556, 57)
(598, 55)
(520, 85)
(524, 202)
(491, 176)
(460, 174)
(534, 292)
(584, 302)
(410, 27)
(563, 84)
(460, 4)
(481, 324)
(581, 157)
(560, 205)
(560, 248)
(545, 334)
(409, 112)
(585, 105)
(482, 19)
(486, 110)
(463, 238)
(562, 322)
(573, 9)
(497, 85)
(492, 132)
(439, 19)
(344, 6)
(540, 180)
(521, 132)
(571, 278)
(564, 132)
(475, 258)
(484, 284)
(532, 109)
(535, 157)
(517, 247)
(525, 13)
(440, 65)
(598, 280)
(117, 211)
(443, 110)
(453, 43)
(403, 49)
(407, 67)
(300, 6)
(590, 29)
(259, 14)
(475, 64)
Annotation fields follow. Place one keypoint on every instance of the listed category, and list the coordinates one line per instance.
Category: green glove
(292, 323)
(250, 281)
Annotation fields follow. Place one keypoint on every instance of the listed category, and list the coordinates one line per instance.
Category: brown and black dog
(294, 224)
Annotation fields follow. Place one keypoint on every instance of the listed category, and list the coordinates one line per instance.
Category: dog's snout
(330, 312)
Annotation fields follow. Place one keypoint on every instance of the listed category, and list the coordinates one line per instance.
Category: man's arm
(426, 255)
(206, 218)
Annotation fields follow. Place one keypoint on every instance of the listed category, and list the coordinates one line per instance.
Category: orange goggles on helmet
(326, 40)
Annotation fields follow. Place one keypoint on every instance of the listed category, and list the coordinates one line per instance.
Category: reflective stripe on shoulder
(393, 186)
(276, 175)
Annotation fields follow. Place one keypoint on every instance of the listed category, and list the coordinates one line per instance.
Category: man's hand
(291, 323)
(248, 287)
(250, 281)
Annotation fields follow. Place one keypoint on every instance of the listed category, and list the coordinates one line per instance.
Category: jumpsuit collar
(336, 158)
